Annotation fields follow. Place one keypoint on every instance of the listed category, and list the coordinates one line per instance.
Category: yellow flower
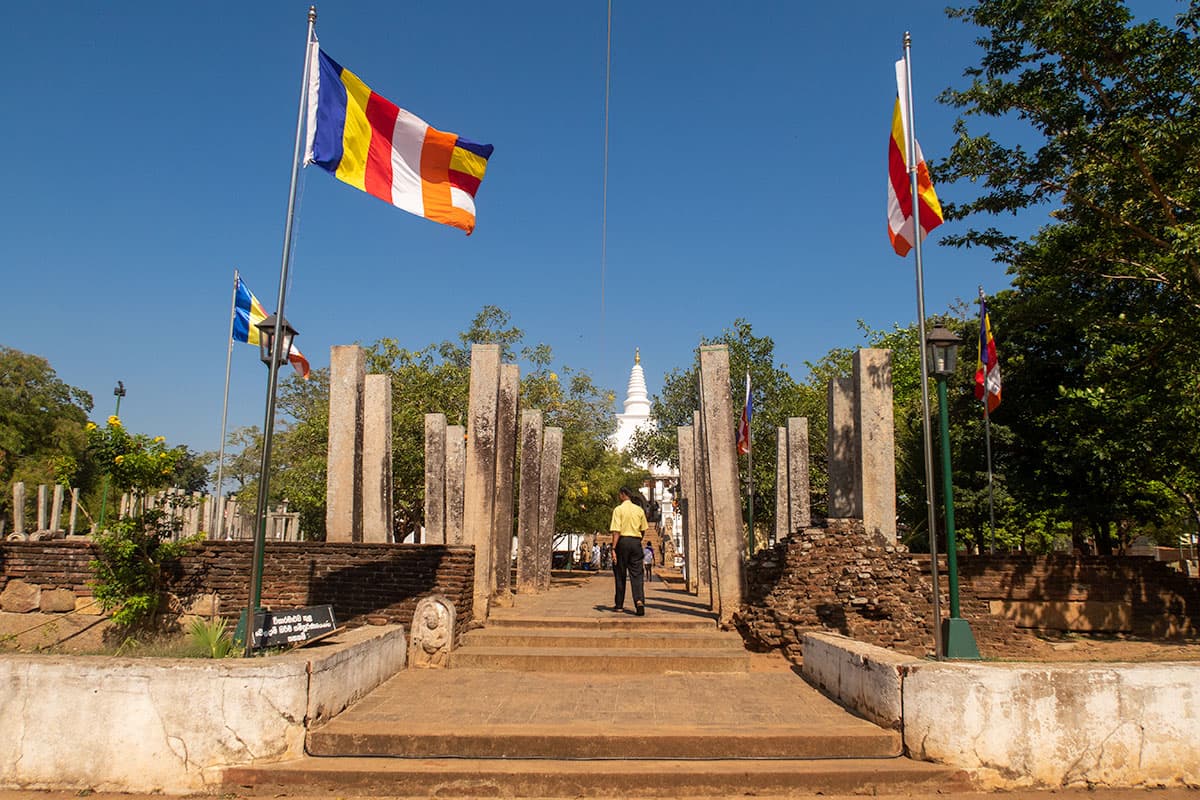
(166, 471)
(159, 439)
(118, 459)
(553, 376)
(91, 426)
(114, 420)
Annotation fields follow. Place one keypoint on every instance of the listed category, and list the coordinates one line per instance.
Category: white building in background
(636, 415)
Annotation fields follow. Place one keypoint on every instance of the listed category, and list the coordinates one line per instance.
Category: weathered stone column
(719, 439)
(479, 498)
(877, 441)
(456, 465)
(799, 496)
(75, 512)
(506, 455)
(18, 489)
(706, 573)
(529, 501)
(687, 484)
(377, 459)
(43, 503)
(845, 494)
(343, 482)
(56, 508)
(782, 509)
(552, 443)
(435, 479)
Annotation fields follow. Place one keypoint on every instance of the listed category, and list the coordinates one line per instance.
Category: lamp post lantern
(942, 352)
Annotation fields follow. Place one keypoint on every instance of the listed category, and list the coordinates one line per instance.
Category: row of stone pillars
(469, 483)
(860, 451)
(713, 530)
(862, 471)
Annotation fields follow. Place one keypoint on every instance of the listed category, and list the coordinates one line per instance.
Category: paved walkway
(589, 595)
(771, 697)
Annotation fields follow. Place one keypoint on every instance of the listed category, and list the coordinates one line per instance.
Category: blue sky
(149, 152)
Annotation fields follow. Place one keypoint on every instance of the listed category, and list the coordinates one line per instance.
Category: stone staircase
(566, 700)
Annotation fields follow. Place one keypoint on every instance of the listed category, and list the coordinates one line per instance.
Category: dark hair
(625, 490)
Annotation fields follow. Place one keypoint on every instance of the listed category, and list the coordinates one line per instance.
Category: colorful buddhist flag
(368, 142)
(247, 313)
(900, 205)
(743, 436)
(987, 367)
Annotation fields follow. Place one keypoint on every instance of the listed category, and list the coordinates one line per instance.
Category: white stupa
(637, 406)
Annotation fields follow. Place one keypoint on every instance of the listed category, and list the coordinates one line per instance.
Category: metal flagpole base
(958, 640)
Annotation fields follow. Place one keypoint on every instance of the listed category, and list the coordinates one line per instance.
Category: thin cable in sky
(604, 192)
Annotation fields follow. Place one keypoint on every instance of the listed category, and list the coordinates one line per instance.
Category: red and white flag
(900, 201)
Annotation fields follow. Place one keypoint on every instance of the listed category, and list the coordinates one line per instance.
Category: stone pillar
(845, 494)
(720, 442)
(799, 496)
(43, 503)
(552, 443)
(377, 459)
(18, 489)
(56, 508)
(456, 465)
(435, 479)
(706, 574)
(687, 485)
(782, 509)
(529, 501)
(343, 483)
(506, 463)
(74, 511)
(877, 441)
(479, 497)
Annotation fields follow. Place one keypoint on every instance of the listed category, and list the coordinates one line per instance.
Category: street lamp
(942, 349)
(267, 352)
(266, 339)
(118, 392)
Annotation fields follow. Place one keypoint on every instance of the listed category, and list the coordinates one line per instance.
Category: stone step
(461, 778)
(590, 740)
(610, 622)
(623, 638)
(583, 659)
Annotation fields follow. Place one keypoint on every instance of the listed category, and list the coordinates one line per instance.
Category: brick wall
(837, 578)
(356, 579)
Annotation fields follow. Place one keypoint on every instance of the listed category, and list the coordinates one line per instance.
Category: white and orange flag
(900, 205)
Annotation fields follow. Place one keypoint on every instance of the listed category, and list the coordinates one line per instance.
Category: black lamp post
(942, 348)
(274, 355)
(118, 393)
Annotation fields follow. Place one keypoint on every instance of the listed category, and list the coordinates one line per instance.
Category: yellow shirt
(628, 520)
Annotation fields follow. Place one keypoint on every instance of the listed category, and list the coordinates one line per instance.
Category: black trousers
(629, 560)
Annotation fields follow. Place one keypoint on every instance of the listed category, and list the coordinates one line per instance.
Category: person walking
(648, 561)
(627, 527)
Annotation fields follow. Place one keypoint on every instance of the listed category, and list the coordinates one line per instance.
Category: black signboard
(292, 627)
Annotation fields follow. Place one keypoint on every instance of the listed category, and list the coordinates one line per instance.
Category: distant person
(628, 526)
(648, 561)
(596, 557)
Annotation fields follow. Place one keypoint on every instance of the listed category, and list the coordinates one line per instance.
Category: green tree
(42, 419)
(1101, 327)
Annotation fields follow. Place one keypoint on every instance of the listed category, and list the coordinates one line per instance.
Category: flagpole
(987, 438)
(260, 514)
(910, 146)
(218, 508)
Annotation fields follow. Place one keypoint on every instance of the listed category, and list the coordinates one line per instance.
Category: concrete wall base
(1018, 725)
(174, 725)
